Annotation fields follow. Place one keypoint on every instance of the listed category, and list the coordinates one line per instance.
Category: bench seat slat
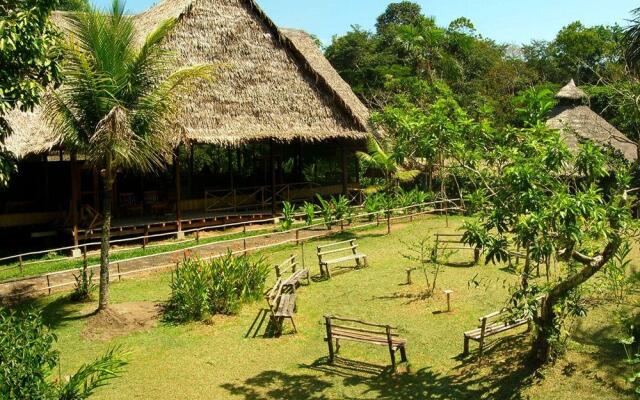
(346, 258)
(494, 329)
(350, 248)
(296, 277)
(286, 305)
(367, 338)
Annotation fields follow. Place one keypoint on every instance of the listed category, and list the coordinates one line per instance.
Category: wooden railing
(256, 197)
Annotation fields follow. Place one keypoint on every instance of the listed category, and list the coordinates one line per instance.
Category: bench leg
(294, 325)
(328, 271)
(403, 354)
(366, 262)
(481, 349)
(466, 346)
(393, 358)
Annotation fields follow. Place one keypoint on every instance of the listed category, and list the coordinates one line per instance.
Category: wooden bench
(365, 332)
(348, 246)
(488, 329)
(281, 305)
(297, 275)
(453, 241)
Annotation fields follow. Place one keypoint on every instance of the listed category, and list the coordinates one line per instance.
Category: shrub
(288, 212)
(373, 204)
(341, 208)
(84, 285)
(201, 288)
(326, 211)
(27, 359)
(309, 211)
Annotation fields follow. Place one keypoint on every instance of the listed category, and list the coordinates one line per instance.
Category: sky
(506, 21)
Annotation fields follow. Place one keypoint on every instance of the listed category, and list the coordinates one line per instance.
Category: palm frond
(93, 375)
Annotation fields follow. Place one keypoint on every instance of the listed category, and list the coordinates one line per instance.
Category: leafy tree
(29, 60)
(73, 5)
(118, 102)
(402, 13)
(27, 359)
(539, 196)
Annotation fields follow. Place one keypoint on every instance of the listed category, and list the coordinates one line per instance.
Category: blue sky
(507, 21)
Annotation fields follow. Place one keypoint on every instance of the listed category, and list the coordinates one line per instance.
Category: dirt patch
(122, 319)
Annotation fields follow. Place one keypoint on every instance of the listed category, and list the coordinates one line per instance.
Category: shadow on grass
(502, 374)
(279, 385)
(61, 311)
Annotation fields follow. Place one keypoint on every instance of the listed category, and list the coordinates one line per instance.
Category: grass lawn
(216, 361)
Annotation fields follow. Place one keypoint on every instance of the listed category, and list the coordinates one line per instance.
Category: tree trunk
(103, 301)
(547, 318)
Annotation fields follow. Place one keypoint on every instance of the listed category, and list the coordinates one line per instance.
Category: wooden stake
(119, 275)
(48, 284)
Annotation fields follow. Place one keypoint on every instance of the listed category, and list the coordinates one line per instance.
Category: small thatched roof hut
(578, 122)
(273, 84)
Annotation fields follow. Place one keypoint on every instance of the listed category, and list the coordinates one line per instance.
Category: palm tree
(378, 159)
(632, 40)
(118, 103)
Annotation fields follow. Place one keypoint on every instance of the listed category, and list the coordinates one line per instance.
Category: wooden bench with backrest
(453, 241)
(282, 305)
(338, 329)
(488, 328)
(297, 275)
(348, 246)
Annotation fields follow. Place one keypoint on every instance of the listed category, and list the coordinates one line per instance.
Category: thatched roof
(273, 84)
(571, 92)
(578, 123)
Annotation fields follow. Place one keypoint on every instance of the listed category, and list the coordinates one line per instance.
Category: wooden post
(119, 274)
(409, 271)
(48, 284)
(342, 225)
(389, 223)
(176, 169)
(85, 262)
(329, 338)
(343, 163)
(145, 239)
(75, 196)
(244, 245)
(198, 236)
(297, 237)
(273, 178)
(378, 219)
(20, 264)
(230, 168)
(448, 293)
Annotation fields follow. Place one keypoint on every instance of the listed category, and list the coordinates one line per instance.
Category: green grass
(216, 361)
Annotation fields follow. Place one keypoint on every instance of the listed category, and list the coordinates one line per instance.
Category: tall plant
(118, 103)
(27, 358)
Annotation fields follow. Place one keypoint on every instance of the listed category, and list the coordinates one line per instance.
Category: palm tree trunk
(103, 300)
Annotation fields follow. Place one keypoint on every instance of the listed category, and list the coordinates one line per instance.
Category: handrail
(273, 220)
(229, 251)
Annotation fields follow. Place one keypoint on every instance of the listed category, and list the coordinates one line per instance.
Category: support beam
(343, 154)
(190, 181)
(273, 177)
(75, 197)
(176, 174)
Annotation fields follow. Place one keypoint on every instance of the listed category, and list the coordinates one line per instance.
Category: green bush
(27, 359)
(341, 208)
(201, 288)
(326, 211)
(84, 285)
(288, 212)
(309, 211)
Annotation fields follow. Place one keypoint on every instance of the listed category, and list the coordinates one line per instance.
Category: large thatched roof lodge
(577, 123)
(276, 123)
